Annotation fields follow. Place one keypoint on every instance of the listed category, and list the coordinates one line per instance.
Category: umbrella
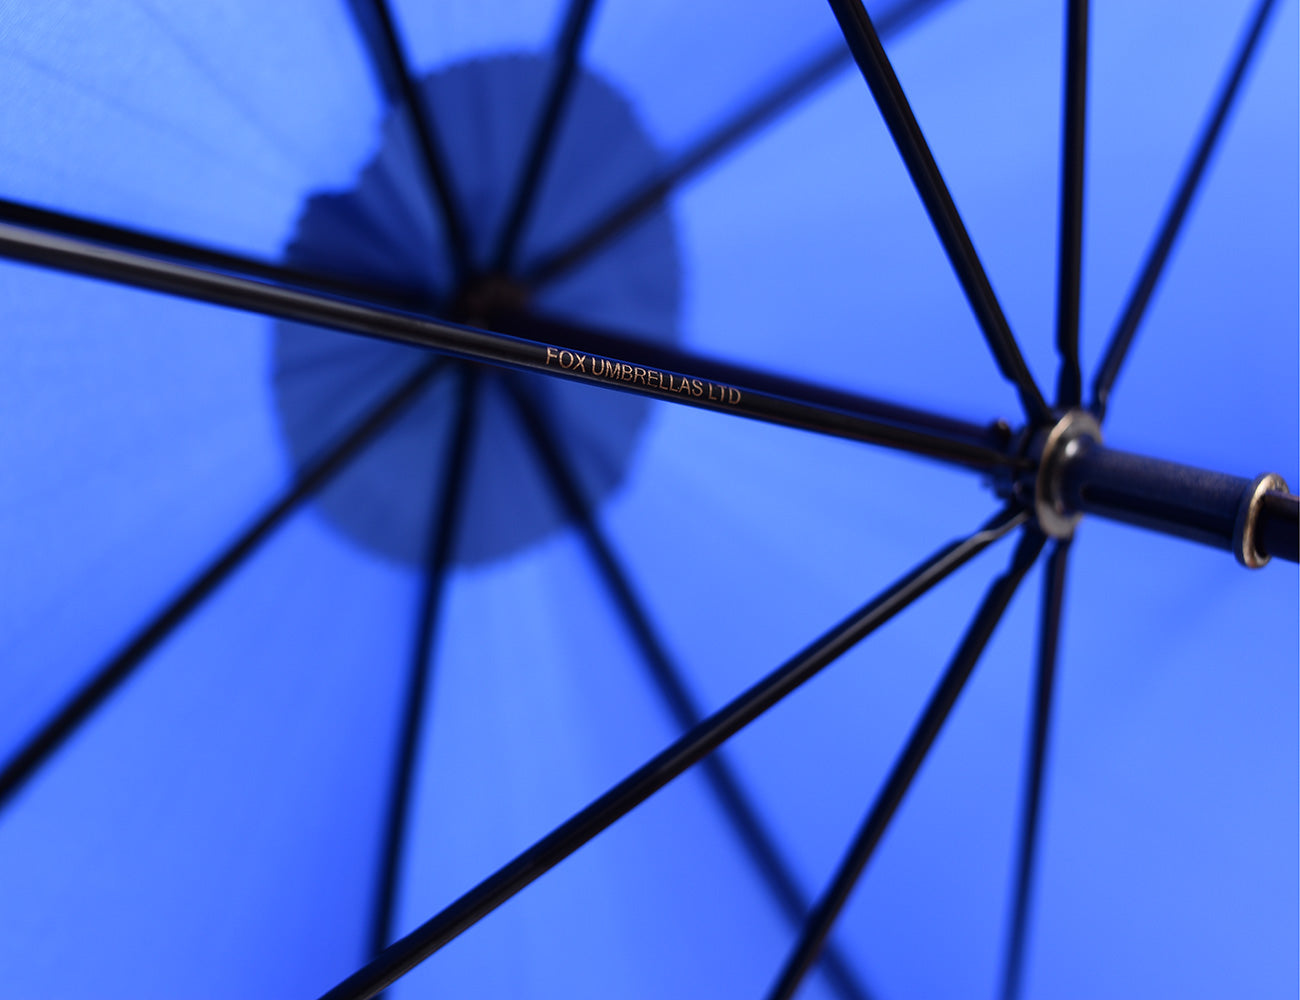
(322, 652)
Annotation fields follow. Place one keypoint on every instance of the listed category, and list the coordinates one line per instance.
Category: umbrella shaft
(1206, 507)
(881, 424)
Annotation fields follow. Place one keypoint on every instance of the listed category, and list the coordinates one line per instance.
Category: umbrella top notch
(384, 227)
(484, 300)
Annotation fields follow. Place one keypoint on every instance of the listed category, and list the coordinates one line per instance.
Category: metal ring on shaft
(1243, 533)
(1063, 441)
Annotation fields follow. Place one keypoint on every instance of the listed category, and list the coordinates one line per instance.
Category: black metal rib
(1048, 644)
(725, 784)
(576, 21)
(1152, 269)
(1069, 380)
(443, 524)
(111, 675)
(828, 907)
(107, 234)
(384, 45)
(350, 316)
(912, 147)
(403, 955)
(724, 138)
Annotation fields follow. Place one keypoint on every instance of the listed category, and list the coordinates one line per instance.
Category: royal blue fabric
(224, 813)
(215, 830)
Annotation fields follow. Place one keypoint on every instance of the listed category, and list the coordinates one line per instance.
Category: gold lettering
(651, 378)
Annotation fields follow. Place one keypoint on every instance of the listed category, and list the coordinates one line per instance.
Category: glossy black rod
(724, 138)
(1121, 341)
(876, 69)
(672, 357)
(576, 22)
(690, 749)
(109, 677)
(444, 521)
(108, 234)
(384, 44)
(530, 326)
(351, 316)
(753, 833)
(1049, 640)
(1069, 380)
(828, 907)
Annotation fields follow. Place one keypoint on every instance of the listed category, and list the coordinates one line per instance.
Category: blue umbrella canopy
(305, 635)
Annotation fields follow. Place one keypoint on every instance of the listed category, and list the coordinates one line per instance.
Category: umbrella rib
(444, 521)
(724, 138)
(723, 781)
(876, 69)
(392, 67)
(1069, 380)
(574, 31)
(407, 952)
(113, 674)
(828, 907)
(1048, 648)
(1121, 340)
(127, 267)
